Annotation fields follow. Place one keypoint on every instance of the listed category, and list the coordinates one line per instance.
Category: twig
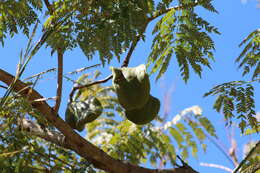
(59, 81)
(51, 156)
(247, 157)
(185, 165)
(29, 56)
(233, 147)
(41, 73)
(216, 166)
(44, 99)
(83, 69)
(220, 147)
(49, 6)
(132, 47)
(214, 142)
(182, 161)
(2, 86)
(88, 85)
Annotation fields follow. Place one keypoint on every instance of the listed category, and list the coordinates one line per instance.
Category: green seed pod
(78, 113)
(132, 86)
(145, 114)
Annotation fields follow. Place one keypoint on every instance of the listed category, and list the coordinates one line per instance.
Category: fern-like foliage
(249, 58)
(149, 144)
(189, 127)
(22, 152)
(236, 100)
(186, 35)
(103, 27)
(124, 140)
(18, 15)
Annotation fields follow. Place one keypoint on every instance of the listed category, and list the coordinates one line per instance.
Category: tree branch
(36, 130)
(74, 89)
(59, 81)
(74, 141)
(48, 5)
(55, 137)
(2, 86)
(133, 45)
(247, 157)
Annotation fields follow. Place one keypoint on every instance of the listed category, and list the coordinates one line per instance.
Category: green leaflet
(78, 113)
(145, 114)
(132, 86)
(249, 58)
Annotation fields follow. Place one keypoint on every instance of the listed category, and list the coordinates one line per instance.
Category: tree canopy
(37, 138)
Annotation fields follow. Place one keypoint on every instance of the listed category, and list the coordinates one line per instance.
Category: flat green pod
(145, 114)
(78, 113)
(132, 86)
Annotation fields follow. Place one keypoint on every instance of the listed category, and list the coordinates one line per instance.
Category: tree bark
(74, 141)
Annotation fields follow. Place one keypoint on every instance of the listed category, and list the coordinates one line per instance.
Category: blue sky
(235, 21)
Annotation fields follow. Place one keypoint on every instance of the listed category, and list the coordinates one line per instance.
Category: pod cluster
(132, 86)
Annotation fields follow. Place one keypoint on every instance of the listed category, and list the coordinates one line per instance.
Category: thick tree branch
(59, 81)
(74, 141)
